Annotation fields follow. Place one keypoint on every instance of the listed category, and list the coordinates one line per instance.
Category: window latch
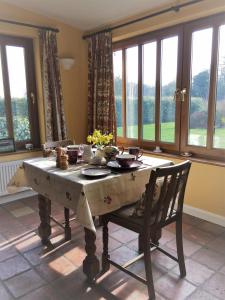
(183, 93)
(176, 95)
(179, 95)
(32, 97)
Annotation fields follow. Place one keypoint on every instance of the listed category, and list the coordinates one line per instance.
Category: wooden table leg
(44, 229)
(91, 266)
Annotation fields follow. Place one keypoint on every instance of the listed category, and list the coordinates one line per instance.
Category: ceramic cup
(125, 160)
(87, 154)
(135, 151)
(111, 152)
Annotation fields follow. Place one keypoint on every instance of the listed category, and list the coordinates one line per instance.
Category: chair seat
(124, 215)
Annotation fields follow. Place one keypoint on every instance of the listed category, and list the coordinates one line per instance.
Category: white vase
(88, 154)
(100, 152)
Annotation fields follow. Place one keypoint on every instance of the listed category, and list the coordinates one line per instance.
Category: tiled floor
(29, 272)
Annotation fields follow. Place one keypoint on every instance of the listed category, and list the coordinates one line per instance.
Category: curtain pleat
(52, 89)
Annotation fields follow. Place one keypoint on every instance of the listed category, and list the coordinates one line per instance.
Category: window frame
(206, 152)
(184, 49)
(27, 44)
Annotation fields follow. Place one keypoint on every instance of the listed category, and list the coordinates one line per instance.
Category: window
(170, 89)
(18, 107)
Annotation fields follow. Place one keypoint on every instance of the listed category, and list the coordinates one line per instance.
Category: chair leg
(67, 229)
(148, 270)
(156, 236)
(105, 254)
(140, 243)
(180, 251)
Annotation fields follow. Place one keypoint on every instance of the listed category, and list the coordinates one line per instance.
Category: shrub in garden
(21, 125)
(199, 119)
(3, 128)
(198, 115)
(21, 128)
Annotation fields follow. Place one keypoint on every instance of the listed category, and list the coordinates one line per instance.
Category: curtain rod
(175, 8)
(29, 25)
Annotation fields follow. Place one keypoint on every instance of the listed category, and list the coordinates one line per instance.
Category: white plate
(95, 172)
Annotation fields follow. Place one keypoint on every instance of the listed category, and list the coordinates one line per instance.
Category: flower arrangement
(99, 139)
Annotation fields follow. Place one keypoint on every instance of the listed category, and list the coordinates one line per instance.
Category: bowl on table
(125, 160)
(110, 152)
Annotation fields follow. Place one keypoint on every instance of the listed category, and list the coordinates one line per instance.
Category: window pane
(168, 86)
(18, 90)
(219, 134)
(117, 69)
(132, 92)
(3, 124)
(199, 90)
(148, 91)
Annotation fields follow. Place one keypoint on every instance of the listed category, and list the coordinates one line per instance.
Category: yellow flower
(110, 136)
(101, 139)
(97, 133)
(97, 138)
(89, 138)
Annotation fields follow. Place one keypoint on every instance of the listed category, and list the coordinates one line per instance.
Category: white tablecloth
(86, 197)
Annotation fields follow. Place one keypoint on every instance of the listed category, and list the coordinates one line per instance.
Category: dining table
(87, 196)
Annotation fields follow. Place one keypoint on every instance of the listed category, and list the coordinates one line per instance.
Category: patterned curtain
(52, 90)
(101, 102)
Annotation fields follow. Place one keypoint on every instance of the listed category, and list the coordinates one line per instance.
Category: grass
(197, 135)
(219, 138)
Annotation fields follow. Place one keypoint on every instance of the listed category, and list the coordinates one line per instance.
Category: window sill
(20, 152)
(191, 158)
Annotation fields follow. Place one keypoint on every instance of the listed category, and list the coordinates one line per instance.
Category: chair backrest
(54, 144)
(170, 198)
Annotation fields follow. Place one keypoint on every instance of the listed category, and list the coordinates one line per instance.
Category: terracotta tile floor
(29, 272)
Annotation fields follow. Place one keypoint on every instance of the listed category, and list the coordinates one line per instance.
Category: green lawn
(197, 137)
(219, 139)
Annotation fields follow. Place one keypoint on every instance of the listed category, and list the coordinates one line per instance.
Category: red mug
(72, 156)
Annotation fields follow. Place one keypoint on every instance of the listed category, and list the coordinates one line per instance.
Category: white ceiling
(89, 14)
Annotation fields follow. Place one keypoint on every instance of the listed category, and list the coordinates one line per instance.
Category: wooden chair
(54, 144)
(66, 224)
(158, 213)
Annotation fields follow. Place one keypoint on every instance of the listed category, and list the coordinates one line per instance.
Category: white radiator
(7, 170)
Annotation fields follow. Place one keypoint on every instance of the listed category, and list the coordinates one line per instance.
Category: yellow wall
(205, 188)
(74, 81)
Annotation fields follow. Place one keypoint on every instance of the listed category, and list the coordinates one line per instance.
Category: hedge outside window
(170, 89)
